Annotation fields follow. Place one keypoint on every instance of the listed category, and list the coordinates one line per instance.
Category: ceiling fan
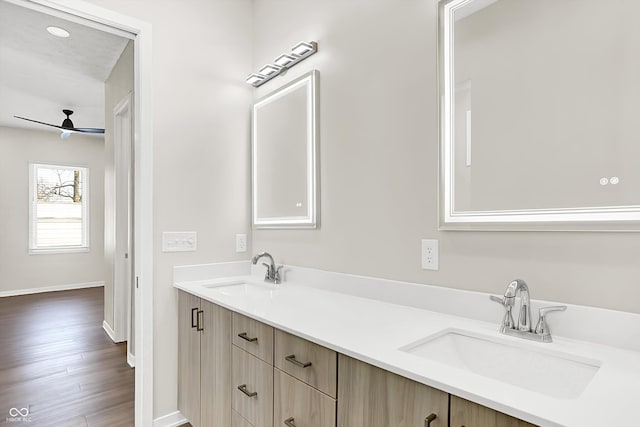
(67, 125)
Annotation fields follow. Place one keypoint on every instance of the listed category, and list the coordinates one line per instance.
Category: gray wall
(19, 269)
(118, 85)
(379, 165)
(201, 104)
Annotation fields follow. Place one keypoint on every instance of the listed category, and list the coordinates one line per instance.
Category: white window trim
(85, 247)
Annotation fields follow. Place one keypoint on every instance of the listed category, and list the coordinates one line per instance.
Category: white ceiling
(41, 74)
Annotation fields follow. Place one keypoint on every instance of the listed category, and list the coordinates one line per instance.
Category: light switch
(185, 241)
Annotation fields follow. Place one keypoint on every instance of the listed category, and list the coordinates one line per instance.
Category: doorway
(141, 179)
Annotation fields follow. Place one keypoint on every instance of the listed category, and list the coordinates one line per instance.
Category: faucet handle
(542, 328)
(276, 275)
(497, 299)
(507, 321)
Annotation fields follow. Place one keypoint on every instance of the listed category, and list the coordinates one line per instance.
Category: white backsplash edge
(193, 273)
(598, 325)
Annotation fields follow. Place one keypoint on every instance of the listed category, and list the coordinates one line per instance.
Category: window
(59, 220)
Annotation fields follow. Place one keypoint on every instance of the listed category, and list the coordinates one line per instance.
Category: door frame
(140, 32)
(122, 277)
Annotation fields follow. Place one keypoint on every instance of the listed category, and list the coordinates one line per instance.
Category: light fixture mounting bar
(299, 53)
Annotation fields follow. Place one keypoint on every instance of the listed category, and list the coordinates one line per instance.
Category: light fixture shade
(299, 53)
(284, 60)
(304, 48)
(269, 69)
(254, 78)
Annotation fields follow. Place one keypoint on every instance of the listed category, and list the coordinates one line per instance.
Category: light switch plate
(184, 241)
(430, 256)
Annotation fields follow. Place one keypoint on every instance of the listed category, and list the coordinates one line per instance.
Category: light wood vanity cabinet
(372, 397)
(252, 389)
(204, 356)
(236, 371)
(298, 404)
(469, 414)
(311, 363)
(253, 337)
(305, 383)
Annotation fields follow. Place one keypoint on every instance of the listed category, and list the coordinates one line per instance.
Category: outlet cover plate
(430, 254)
(241, 243)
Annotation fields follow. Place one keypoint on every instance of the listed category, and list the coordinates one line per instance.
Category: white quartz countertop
(374, 331)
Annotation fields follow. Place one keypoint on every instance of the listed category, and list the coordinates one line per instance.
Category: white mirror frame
(310, 80)
(615, 218)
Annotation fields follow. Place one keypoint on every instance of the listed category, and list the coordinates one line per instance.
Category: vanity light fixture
(299, 52)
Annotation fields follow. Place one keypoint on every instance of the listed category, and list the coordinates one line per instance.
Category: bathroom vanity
(301, 354)
(235, 370)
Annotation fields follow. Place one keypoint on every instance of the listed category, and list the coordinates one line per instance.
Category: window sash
(34, 247)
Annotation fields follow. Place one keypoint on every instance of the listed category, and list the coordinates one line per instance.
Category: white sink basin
(545, 371)
(241, 287)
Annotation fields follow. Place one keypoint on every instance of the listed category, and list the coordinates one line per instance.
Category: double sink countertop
(383, 334)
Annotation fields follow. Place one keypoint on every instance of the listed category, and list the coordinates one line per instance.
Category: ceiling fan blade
(88, 130)
(42, 123)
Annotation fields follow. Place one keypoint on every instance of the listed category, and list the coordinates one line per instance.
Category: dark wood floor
(56, 360)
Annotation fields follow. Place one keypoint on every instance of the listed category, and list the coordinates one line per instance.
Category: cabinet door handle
(289, 422)
(243, 388)
(292, 358)
(244, 336)
(194, 323)
(429, 419)
(200, 327)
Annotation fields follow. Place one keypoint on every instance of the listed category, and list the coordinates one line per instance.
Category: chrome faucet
(273, 274)
(516, 288)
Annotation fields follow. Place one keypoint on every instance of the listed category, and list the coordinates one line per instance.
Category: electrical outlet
(241, 243)
(430, 256)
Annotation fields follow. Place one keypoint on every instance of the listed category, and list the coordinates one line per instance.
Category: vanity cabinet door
(469, 414)
(372, 397)
(189, 357)
(215, 351)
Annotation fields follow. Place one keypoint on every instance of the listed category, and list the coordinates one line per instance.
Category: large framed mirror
(538, 113)
(284, 145)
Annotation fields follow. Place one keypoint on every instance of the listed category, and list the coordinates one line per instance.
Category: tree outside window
(59, 220)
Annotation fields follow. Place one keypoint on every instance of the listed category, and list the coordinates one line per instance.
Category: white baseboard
(109, 330)
(131, 360)
(55, 288)
(173, 419)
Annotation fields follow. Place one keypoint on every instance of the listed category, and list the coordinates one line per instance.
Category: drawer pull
(199, 326)
(289, 422)
(193, 321)
(429, 419)
(244, 336)
(243, 388)
(292, 358)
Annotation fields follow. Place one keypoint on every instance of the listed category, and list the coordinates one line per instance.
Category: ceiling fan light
(65, 135)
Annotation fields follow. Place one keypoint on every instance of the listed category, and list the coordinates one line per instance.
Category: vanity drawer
(238, 421)
(252, 381)
(309, 362)
(300, 405)
(253, 336)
